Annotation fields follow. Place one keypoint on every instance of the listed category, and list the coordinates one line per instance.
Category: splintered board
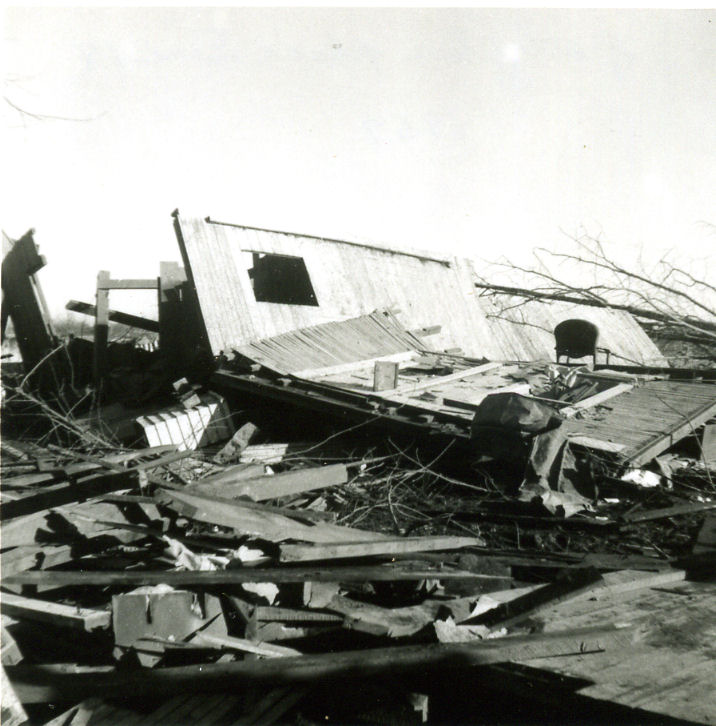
(648, 419)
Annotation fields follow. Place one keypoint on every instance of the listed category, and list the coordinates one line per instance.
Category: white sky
(473, 131)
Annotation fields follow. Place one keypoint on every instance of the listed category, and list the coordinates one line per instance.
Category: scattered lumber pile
(134, 577)
(337, 522)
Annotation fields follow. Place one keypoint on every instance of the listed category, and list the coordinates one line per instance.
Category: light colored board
(354, 367)
(438, 381)
(13, 713)
(278, 485)
(260, 523)
(267, 650)
(316, 552)
(69, 616)
(597, 399)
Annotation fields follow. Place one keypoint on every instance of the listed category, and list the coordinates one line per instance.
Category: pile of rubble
(339, 522)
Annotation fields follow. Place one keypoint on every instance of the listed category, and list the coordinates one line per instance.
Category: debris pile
(337, 521)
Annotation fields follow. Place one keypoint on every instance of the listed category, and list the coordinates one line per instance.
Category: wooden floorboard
(669, 672)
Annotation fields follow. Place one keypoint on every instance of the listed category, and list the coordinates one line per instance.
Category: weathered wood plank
(507, 614)
(401, 545)
(597, 399)
(101, 327)
(438, 381)
(354, 367)
(63, 493)
(277, 485)
(13, 713)
(68, 616)
(37, 684)
(135, 578)
(24, 303)
(268, 650)
(256, 521)
(136, 284)
(115, 316)
(678, 509)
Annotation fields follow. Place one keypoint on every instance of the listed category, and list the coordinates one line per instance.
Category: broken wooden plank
(273, 613)
(12, 712)
(115, 316)
(472, 400)
(277, 485)
(274, 453)
(24, 302)
(397, 622)
(267, 650)
(597, 399)
(128, 284)
(238, 442)
(354, 367)
(438, 381)
(400, 545)
(674, 511)
(389, 572)
(42, 684)
(66, 616)
(10, 653)
(569, 585)
(56, 495)
(256, 521)
(589, 442)
(624, 581)
(234, 473)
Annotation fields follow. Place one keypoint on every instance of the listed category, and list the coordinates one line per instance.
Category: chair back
(576, 338)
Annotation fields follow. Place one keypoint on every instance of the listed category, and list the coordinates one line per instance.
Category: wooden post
(385, 375)
(101, 327)
(175, 325)
(24, 302)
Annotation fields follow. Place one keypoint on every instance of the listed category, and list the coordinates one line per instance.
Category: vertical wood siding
(352, 280)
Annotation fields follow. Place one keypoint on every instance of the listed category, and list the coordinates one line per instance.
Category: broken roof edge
(417, 253)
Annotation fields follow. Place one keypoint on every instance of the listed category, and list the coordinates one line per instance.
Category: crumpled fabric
(552, 476)
(509, 426)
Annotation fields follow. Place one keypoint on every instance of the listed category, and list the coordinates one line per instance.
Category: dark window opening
(281, 279)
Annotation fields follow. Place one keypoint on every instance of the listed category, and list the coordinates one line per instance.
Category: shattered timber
(334, 482)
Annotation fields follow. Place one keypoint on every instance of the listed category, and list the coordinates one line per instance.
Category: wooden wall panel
(351, 279)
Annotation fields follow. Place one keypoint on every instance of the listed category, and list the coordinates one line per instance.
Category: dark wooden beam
(42, 684)
(135, 578)
(115, 316)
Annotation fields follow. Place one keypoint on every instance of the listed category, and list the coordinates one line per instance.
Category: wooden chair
(576, 338)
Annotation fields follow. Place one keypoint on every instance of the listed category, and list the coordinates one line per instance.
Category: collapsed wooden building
(368, 475)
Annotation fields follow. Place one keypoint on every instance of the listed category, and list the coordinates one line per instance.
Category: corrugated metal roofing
(350, 280)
